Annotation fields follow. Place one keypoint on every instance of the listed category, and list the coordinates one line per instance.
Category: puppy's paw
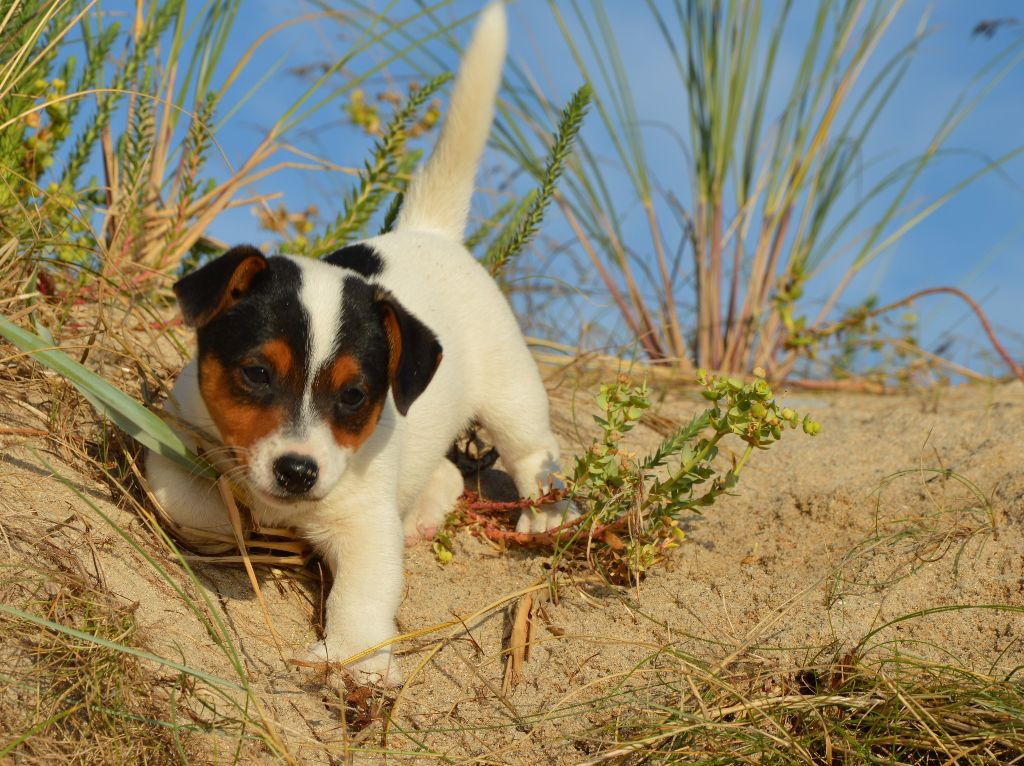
(376, 668)
(546, 517)
(433, 505)
(418, 532)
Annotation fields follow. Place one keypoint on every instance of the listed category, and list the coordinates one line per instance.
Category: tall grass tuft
(770, 193)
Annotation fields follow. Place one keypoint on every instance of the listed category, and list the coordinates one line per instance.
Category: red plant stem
(734, 288)
(856, 385)
(23, 432)
(562, 533)
(473, 501)
(675, 334)
(955, 291)
(715, 286)
(703, 290)
(646, 336)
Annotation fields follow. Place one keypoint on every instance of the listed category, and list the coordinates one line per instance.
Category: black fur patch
(269, 310)
(360, 258)
(202, 292)
(361, 336)
(420, 357)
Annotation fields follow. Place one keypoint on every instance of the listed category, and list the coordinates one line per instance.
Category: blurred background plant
(108, 125)
(771, 204)
(738, 245)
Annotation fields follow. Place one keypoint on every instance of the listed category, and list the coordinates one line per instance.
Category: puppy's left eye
(256, 376)
(350, 397)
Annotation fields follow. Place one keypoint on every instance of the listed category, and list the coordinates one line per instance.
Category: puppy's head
(296, 358)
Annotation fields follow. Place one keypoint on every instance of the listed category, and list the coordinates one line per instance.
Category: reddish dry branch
(855, 385)
(957, 292)
(564, 534)
(1014, 367)
(472, 500)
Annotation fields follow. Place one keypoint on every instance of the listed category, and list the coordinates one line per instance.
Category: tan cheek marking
(241, 424)
(279, 354)
(353, 440)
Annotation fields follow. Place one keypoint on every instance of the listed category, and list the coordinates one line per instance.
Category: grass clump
(892, 709)
(719, 251)
(68, 700)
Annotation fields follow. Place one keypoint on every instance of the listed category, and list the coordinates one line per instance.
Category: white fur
(321, 287)
(400, 478)
(438, 197)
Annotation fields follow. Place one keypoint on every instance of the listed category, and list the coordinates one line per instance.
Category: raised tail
(438, 196)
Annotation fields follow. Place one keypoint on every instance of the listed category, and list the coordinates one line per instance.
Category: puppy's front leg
(365, 556)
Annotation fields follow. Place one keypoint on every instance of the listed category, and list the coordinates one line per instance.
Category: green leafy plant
(633, 504)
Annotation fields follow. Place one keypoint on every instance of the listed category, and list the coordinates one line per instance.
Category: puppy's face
(296, 358)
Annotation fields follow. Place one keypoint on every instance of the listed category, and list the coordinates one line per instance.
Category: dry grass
(880, 709)
(67, 699)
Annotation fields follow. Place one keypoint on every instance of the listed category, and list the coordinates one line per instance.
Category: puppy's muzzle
(296, 474)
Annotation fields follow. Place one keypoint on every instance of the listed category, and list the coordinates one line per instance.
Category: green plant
(387, 170)
(147, 124)
(645, 497)
(524, 225)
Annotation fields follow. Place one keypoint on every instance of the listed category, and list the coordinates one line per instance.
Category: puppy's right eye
(256, 376)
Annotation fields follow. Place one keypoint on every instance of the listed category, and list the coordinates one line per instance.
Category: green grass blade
(129, 415)
(209, 678)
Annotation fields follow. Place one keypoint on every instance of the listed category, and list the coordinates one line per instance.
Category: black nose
(295, 474)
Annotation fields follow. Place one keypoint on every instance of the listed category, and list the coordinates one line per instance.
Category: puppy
(337, 386)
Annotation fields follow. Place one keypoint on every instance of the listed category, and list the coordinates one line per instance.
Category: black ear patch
(208, 291)
(360, 258)
(415, 351)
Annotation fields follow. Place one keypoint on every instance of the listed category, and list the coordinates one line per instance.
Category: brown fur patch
(353, 438)
(237, 286)
(241, 424)
(279, 355)
(394, 341)
(343, 371)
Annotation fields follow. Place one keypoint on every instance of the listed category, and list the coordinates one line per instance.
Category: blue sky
(974, 242)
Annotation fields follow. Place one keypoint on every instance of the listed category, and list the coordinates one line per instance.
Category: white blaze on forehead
(320, 295)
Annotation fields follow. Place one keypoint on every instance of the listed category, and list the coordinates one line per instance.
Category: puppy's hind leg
(516, 417)
(434, 502)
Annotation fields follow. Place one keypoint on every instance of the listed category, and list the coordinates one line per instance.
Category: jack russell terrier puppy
(337, 386)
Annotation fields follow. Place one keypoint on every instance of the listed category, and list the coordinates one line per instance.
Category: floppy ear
(208, 291)
(415, 351)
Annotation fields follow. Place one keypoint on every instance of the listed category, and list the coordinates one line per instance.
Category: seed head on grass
(382, 174)
(524, 226)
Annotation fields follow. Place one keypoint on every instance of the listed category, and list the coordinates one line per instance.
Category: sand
(822, 544)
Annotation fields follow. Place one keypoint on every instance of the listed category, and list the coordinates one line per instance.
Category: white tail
(438, 196)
